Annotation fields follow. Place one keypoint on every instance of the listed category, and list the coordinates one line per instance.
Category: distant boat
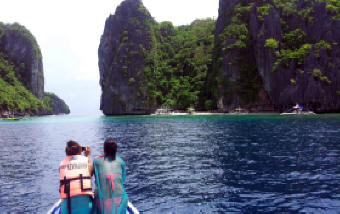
(11, 119)
(169, 112)
(298, 110)
(8, 116)
(239, 110)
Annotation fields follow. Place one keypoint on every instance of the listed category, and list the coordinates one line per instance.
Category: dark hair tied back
(110, 148)
(72, 148)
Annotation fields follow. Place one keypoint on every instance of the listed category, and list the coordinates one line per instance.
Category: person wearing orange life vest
(75, 173)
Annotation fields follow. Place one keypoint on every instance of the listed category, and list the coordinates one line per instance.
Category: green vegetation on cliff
(13, 95)
(54, 105)
(177, 66)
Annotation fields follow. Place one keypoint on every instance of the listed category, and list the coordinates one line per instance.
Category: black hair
(72, 148)
(110, 148)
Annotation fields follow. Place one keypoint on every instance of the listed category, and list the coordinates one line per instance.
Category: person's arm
(95, 180)
(59, 182)
(123, 170)
(87, 154)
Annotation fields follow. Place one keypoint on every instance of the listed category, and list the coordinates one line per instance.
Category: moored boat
(57, 207)
(11, 119)
(167, 112)
(239, 110)
(298, 110)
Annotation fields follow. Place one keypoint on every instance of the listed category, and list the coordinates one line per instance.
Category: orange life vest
(75, 178)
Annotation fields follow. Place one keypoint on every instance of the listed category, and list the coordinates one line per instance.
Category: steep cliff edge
(22, 49)
(146, 65)
(121, 59)
(292, 49)
(21, 74)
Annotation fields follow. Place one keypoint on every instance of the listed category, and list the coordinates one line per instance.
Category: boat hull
(304, 113)
(56, 208)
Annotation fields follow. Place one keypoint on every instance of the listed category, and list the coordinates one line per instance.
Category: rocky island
(261, 55)
(278, 53)
(22, 77)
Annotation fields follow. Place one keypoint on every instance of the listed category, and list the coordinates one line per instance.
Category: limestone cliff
(260, 55)
(146, 65)
(22, 49)
(21, 75)
(54, 105)
(293, 46)
(121, 60)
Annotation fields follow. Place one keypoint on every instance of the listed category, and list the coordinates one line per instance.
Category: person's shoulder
(101, 156)
(98, 158)
(64, 161)
(61, 163)
(81, 158)
(120, 159)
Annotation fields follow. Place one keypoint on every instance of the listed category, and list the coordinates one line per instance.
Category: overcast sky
(68, 33)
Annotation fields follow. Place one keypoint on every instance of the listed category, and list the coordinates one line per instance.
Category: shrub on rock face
(209, 105)
(317, 73)
(293, 81)
(271, 43)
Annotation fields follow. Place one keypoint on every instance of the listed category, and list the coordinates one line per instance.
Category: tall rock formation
(293, 46)
(127, 35)
(22, 76)
(22, 49)
(146, 65)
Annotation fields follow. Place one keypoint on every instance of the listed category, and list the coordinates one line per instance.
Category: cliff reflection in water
(190, 164)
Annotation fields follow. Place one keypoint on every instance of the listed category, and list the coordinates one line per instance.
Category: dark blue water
(191, 164)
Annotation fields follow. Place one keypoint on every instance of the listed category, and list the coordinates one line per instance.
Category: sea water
(184, 164)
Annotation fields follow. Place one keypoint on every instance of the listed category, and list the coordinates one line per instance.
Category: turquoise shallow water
(184, 164)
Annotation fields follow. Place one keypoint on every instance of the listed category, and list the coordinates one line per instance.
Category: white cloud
(68, 33)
